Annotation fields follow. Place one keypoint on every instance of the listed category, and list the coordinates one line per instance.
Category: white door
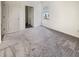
(10, 18)
(13, 19)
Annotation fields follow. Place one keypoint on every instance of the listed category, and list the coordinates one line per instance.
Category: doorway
(29, 16)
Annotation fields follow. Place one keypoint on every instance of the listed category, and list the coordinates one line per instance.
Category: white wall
(63, 17)
(16, 13)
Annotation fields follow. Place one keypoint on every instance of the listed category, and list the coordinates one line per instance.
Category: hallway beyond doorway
(29, 15)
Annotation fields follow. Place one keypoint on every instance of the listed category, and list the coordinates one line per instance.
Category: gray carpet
(39, 42)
